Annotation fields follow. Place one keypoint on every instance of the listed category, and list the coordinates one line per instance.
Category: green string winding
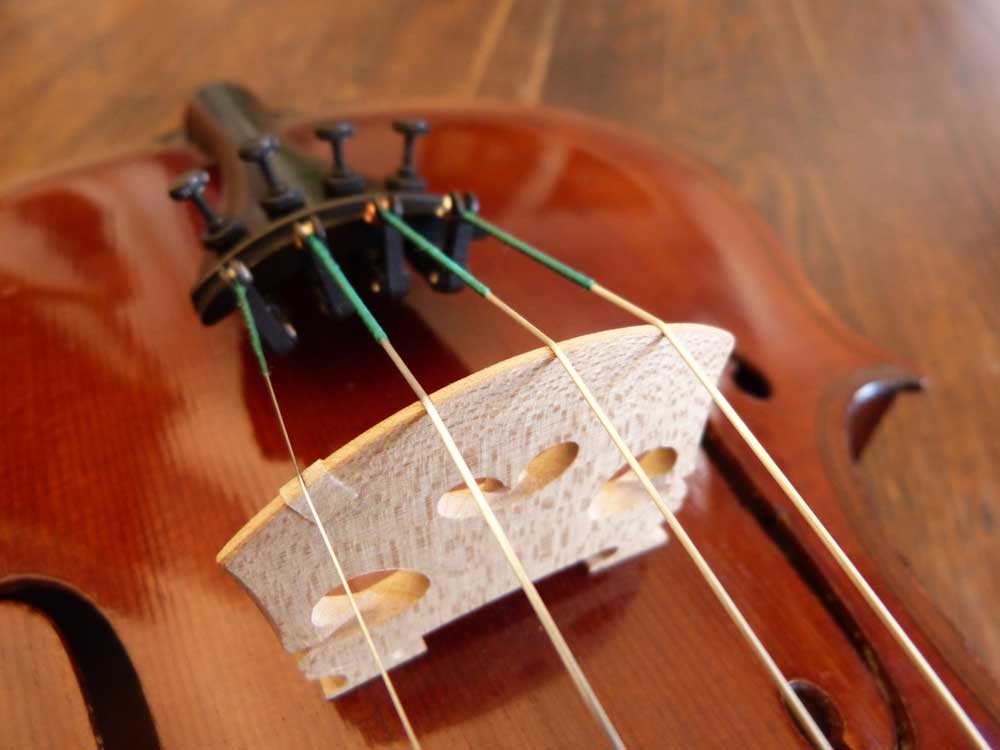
(532, 252)
(322, 254)
(428, 247)
(244, 304)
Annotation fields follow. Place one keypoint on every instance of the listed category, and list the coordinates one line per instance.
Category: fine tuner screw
(280, 198)
(220, 232)
(407, 177)
(191, 187)
(342, 180)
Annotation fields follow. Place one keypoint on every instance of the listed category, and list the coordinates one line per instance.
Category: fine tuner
(273, 186)
(342, 180)
(280, 198)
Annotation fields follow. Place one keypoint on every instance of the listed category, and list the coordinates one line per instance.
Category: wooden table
(868, 134)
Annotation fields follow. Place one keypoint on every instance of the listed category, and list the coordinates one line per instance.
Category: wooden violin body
(137, 441)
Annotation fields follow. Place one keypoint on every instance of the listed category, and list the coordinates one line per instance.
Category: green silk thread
(532, 252)
(322, 253)
(244, 304)
(428, 247)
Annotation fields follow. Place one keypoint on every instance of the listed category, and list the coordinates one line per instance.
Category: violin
(553, 521)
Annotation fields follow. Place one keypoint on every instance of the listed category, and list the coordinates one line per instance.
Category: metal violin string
(238, 277)
(793, 701)
(815, 524)
(307, 237)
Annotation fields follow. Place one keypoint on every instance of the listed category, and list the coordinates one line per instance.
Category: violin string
(795, 704)
(305, 233)
(239, 290)
(827, 539)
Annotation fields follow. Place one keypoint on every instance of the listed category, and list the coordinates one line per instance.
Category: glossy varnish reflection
(136, 442)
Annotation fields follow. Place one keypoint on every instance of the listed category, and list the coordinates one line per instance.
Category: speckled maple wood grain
(385, 498)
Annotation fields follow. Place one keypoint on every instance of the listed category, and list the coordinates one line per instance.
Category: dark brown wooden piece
(140, 441)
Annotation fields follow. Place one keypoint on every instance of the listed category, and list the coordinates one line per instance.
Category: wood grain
(865, 133)
(50, 713)
(393, 501)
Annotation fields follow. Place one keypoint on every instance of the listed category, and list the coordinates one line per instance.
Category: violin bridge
(408, 533)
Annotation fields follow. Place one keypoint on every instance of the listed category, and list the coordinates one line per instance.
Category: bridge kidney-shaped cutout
(380, 595)
(458, 502)
(624, 492)
(547, 467)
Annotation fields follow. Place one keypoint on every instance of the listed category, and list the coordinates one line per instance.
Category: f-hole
(119, 715)
(823, 710)
(749, 378)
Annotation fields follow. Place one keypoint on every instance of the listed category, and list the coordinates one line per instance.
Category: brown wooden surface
(864, 135)
(37, 685)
